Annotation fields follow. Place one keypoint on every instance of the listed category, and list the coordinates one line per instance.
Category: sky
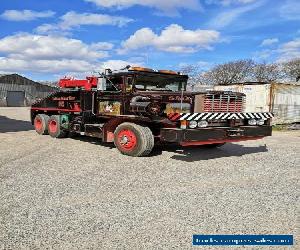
(46, 40)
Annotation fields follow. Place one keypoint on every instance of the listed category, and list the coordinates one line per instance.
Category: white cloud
(62, 67)
(290, 10)
(119, 64)
(55, 55)
(290, 50)
(269, 41)
(44, 66)
(28, 46)
(50, 29)
(283, 52)
(52, 54)
(227, 17)
(229, 2)
(102, 46)
(25, 15)
(263, 54)
(172, 39)
(168, 7)
(73, 20)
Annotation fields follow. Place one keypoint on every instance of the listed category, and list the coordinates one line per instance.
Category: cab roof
(148, 73)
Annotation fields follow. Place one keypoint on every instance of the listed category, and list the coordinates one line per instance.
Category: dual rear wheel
(45, 125)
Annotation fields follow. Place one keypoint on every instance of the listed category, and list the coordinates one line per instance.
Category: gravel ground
(81, 194)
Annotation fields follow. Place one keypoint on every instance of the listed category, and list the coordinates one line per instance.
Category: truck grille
(220, 102)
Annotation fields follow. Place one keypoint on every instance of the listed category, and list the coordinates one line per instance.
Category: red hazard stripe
(56, 109)
(174, 116)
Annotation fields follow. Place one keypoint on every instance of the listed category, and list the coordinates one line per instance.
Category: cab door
(111, 98)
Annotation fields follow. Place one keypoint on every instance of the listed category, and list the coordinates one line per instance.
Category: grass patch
(286, 127)
(280, 127)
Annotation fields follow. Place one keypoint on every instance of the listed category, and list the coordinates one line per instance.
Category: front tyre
(54, 128)
(133, 140)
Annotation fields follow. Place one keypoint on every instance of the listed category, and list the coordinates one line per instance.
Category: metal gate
(15, 99)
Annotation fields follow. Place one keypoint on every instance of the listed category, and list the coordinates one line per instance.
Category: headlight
(193, 124)
(202, 124)
(252, 122)
(261, 122)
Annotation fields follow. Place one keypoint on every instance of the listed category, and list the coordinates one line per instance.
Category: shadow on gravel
(190, 154)
(92, 140)
(12, 125)
(200, 153)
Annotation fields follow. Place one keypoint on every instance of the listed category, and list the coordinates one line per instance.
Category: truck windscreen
(161, 83)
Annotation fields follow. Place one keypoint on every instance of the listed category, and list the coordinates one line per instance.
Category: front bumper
(214, 135)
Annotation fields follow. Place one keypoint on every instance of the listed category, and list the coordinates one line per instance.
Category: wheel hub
(52, 126)
(38, 124)
(124, 140)
(127, 139)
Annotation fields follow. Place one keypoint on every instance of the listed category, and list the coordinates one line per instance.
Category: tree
(228, 73)
(292, 69)
(193, 72)
(263, 72)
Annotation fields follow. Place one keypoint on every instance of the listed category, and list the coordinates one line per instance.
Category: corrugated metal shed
(280, 98)
(31, 89)
(285, 103)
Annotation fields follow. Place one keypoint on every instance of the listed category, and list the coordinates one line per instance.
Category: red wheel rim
(52, 126)
(127, 140)
(38, 124)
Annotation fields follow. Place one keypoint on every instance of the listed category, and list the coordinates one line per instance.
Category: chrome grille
(221, 102)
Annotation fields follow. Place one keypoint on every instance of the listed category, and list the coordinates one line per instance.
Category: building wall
(281, 99)
(32, 92)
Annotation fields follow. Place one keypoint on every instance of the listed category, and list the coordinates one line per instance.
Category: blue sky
(51, 38)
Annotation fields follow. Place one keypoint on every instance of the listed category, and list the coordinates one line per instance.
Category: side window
(114, 84)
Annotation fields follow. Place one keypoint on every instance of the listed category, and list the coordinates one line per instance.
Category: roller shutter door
(15, 98)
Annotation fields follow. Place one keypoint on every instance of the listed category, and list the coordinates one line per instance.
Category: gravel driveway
(81, 194)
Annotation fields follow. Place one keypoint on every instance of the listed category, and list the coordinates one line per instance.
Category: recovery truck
(136, 108)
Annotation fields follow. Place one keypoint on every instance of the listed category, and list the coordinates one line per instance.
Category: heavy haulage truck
(136, 108)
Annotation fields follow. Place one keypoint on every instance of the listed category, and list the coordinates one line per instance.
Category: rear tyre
(41, 124)
(54, 128)
(133, 140)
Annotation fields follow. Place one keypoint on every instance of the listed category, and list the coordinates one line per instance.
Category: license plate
(235, 132)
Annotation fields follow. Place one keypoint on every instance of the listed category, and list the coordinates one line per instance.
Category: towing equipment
(136, 108)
